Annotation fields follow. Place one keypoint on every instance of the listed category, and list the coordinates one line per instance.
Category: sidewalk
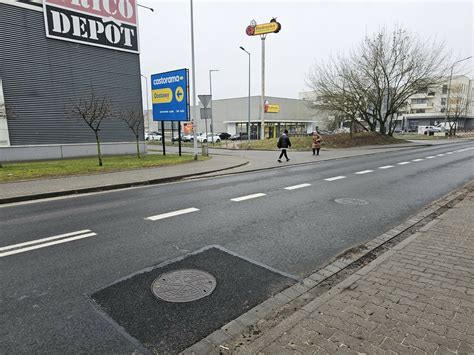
(415, 298)
(222, 161)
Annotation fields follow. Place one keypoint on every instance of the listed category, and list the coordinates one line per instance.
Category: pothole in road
(183, 285)
(351, 201)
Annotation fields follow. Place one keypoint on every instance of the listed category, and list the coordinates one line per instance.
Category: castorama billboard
(105, 23)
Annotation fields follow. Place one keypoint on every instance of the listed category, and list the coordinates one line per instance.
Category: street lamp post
(449, 90)
(193, 78)
(210, 93)
(248, 112)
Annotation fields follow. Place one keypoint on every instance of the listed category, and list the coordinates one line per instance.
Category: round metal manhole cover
(183, 285)
(351, 201)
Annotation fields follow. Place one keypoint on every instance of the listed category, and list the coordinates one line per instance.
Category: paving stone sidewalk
(417, 298)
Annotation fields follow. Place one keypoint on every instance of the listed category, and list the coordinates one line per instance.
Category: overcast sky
(311, 30)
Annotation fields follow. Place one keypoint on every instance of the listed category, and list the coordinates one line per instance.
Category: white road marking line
(364, 172)
(248, 197)
(430, 157)
(419, 159)
(297, 186)
(404, 163)
(37, 241)
(464, 150)
(440, 155)
(448, 153)
(172, 214)
(386, 167)
(44, 245)
(335, 178)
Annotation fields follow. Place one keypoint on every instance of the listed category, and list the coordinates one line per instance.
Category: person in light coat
(316, 145)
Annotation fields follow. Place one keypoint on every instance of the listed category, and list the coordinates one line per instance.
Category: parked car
(239, 136)
(153, 136)
(428, 130)
(188, 138)
(209, 138)
(177, 138)
(224, 136)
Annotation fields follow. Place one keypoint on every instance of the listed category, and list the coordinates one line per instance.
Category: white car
(209, 138)
(152, 136)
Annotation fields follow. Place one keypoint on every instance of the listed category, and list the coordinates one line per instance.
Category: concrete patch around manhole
(183, 285)
(170, 327)
(351, 201)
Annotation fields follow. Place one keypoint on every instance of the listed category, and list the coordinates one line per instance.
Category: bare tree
(93, 110)
(134, 120)
(375, 80)
(456, 107)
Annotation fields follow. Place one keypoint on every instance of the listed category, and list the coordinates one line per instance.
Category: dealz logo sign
(104, 23)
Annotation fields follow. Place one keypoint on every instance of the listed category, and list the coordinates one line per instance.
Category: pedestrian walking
(316, 143)
(284, 143)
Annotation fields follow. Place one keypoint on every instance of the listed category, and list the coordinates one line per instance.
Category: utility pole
(262, 98)
(210, 93)
(248, 123)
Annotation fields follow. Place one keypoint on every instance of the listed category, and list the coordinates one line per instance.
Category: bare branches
(374, 81)
(93, 110)
(134, 120)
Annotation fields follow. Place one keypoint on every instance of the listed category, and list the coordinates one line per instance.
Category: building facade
(40, 78)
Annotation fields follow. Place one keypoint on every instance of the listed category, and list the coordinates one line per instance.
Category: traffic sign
(169, 94)
(206, 113)
(205, 99)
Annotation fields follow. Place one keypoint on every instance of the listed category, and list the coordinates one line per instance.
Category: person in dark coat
(284, 143)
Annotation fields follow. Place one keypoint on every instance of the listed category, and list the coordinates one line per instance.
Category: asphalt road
(44, 308)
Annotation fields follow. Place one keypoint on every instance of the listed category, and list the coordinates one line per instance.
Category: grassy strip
(342, 140)
(84, 166)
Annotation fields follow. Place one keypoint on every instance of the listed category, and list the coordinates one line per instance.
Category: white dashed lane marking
(172, 214)
(440, 155)
(364, 172)
(248, 197)
(404, 163)
(419, 159)
(430, 157)
(45, 242)
(448, 153)
(386, 167)
(335, 178)
(297, 186)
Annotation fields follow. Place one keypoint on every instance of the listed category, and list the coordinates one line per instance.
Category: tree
(134, 120)
(456, 107)
(93, 110)
(374, 81)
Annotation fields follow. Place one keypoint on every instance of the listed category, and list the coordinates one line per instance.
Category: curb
(110, 187)
(244, 326)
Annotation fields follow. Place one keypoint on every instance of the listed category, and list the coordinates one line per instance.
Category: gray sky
(311, 30)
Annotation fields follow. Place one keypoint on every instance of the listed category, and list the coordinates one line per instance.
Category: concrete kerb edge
(315, 279)
(111, 187)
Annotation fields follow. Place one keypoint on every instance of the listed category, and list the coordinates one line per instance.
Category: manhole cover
(351, 201)
(183, 285)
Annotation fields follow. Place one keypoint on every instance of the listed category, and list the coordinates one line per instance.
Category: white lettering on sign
(167, 80)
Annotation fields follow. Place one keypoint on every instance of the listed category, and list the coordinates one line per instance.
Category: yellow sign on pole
(272, 27)
(273, 108)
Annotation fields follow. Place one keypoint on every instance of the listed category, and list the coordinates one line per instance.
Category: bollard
(205, 150)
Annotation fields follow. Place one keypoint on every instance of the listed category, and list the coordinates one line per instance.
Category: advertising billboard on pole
(170, 96)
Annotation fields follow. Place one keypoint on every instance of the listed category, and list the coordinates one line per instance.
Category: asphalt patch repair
(166, 327)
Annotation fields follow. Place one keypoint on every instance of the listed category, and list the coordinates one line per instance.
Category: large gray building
(40, 77)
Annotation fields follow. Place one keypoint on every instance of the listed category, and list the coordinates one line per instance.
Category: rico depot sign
(104, 23)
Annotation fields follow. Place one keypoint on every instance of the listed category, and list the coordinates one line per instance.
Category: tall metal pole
(449, 90)
(147, 105)
(193, 116)
(248, 108)
(262, 99)
(210, 93)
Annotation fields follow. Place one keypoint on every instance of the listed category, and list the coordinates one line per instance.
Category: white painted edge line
(419, 159)
(404, 163)
(172, 214)
(440, 155)
(297, 186)
(248, 197)
(430, 157)
(364, 172)
(44, 245)
(37, 241)
(386, 167)
(335, 178)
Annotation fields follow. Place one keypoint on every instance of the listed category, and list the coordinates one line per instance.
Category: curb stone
(317, 279)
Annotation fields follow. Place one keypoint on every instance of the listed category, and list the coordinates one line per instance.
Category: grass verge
(85, 166)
